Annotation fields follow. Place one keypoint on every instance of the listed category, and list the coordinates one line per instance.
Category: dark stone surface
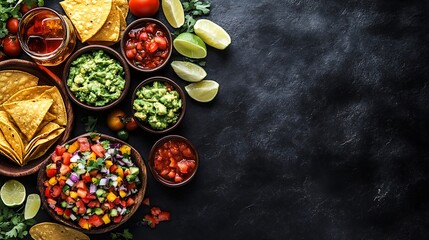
(319, 130)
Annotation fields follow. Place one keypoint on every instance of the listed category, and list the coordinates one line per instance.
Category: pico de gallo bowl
(93, 183)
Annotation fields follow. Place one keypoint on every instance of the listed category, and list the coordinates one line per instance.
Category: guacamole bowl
(96, 77)
(158, 105)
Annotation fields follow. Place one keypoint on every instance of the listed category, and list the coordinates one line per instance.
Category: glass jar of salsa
(46, 36)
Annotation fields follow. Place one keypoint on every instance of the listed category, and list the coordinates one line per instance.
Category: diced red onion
(74, 158)
(92, 188)
(74, 177)
(73, 217)
(115, 145)
(70, 182)
(103, 181)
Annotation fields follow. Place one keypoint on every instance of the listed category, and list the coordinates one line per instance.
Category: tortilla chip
(28, 114)
(49, 117)
(122, 27)
(123, 6)
(28, 93)
(87, 16)
(110, 30)
(12, 81)
(43, 133)
(58, 108)
(43, 145)
(11, 135)
(6, 149)
(54, 231)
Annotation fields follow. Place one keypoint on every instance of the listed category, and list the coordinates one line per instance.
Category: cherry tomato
(11, 46)
(115, 120)
(144, 8)
(131, 124)
(25, 8)
(123, 135)
(12, 25)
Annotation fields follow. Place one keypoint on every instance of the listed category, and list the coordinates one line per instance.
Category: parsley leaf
(126, 235)
(98, 164)
(89, 122)
(12, 224)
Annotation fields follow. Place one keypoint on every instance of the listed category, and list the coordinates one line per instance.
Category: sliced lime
(12, 193)
(203, 91)
(190, 45)
(188, 71)
(212, 34)
(32, 206)
(173, 12)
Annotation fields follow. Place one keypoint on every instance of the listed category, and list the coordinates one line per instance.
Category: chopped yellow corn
(73, 194)
(52, 181)
(108, 163)
(111, 197)
(122, 193)
(120, 172)
(73, 147)
(106, 218)
(125, 149)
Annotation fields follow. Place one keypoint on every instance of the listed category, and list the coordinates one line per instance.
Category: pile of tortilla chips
(32, 117)
(97, 21)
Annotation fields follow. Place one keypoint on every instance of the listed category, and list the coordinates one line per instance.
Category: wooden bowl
(111, 53)
(138, 161)
(46, 77)
(151, 158)
(145, 126)
(139, 23)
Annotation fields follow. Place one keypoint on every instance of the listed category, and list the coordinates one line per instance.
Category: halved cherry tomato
(98, 150)
(164, 216)
(83, 144)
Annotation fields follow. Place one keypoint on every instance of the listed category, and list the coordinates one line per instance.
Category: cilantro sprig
(192, 9)
(126, 235)
(12, 223)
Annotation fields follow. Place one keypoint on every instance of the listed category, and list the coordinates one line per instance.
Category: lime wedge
(12, 193)
(190, 45)
(173, 12)
(188, 71)
(203, 91)
(212, 34)
(32, 206)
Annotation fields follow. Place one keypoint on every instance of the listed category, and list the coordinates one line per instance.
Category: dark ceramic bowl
(46, 77)
(138, 161)
(138, 24)
(144, 125)
(112, 53)
(151, 159)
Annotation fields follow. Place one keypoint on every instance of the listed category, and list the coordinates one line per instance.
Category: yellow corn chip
(12, 81)
(110, 30)
(11, 135)
(58, 108)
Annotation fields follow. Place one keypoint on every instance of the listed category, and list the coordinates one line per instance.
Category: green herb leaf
(89, 122)
(125, 235)
(192, 8)
(12, 224)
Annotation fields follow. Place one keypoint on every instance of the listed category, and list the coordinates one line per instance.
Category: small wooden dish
(46, 77)
(146, 126)
(138, 161)
(155, 174)
(139, 23)
(114, 55)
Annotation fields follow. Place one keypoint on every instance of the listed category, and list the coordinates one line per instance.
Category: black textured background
(319, 130)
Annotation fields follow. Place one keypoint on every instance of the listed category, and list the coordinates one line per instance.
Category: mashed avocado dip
(157, 105)
(96, 78)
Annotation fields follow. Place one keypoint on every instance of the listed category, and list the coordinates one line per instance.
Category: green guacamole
(156, 105)
(96, 78)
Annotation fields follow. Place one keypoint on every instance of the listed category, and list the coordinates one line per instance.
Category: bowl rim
(150, 161)
(182, 97)
(133, 25)
(34, 165)
(110, 52)
(140, 194)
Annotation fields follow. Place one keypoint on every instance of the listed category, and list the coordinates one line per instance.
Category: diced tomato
(108, 206)
(123, 203)
(86, 178)
(83, 144)
(113, 168)
(86, 200)
(66, 158)
(164, 216)
(55, 191)
(95, 221)
(91, 196)
(117, 219)
(63, 196)
(46, 183)
(67, 213)
(131, 186)
(81, 193)
(64, 169)
(178, 178)
(79, 204)
(51, 170)
(117, 201)
(55, 158)
(162, 42)
(91, 204)
(153, 46)
(155, 211)
(146, 201)
(59, 210)
(151, 220)
(47, 192)
(150, 28)
(93, 173)
(80, 184)
(51, 201)
(98, 150)
(61, 182)
(70, 200)
(83, 223)
(130, 201)
(81, 210)
(59, 150)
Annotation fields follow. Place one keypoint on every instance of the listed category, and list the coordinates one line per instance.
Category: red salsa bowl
(146, 45)
(173, 161)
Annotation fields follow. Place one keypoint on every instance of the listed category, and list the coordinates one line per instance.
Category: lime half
(32, 206)
(188, 71)
(212, 34)
(190, 45)
(173, 12)
(12, 193)
(203, 91)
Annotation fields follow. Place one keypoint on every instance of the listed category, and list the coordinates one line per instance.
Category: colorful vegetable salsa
(92, 182)
(147, 47)
(175, 161)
